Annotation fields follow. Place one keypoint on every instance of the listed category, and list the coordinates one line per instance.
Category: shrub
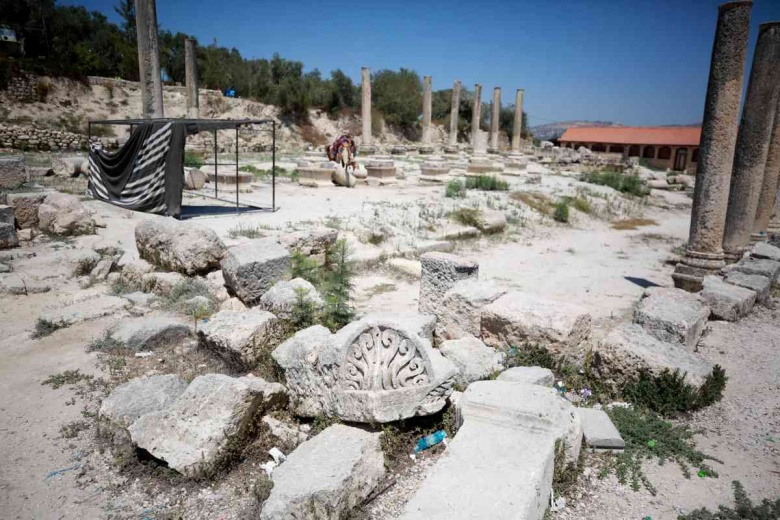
(337, 285)
(668, 393)
(467, 216)
(304, 266)
(193, 159)
(744, 509)
(45, 328)
(304, 311)
(486, 183)
(536, 201)
(648, 436)
(42, 91)
(561, 212)
(623, 183)
(455, 189)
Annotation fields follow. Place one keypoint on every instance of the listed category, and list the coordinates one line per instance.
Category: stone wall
(21, 88)
(33, 138)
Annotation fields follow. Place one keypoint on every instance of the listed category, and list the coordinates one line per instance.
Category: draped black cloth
(147, 173)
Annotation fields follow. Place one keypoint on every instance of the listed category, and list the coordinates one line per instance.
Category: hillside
(555, 130)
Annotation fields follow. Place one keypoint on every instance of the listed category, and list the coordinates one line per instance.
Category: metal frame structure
(213, 125)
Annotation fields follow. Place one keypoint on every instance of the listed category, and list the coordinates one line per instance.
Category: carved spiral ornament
(382, 359)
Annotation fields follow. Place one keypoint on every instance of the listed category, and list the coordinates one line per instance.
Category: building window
(633, 151)
(695, 156)
(648, 152)
(598, 148)
(616, 148)
(664, 152)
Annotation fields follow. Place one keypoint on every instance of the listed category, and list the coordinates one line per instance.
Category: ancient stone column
(767, 201)
(494, 116)
(773, 228)
(191, 74)
(704, 254)
(755, 131)
(518, 123)
(149, 58)
(426, 116)
(454, 112)
(476, 113)
(365, 104)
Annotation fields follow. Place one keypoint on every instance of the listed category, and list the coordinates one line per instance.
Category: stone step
(672, 315)
(598, 430)
(760, 284)
(766, 251)
(727, 302)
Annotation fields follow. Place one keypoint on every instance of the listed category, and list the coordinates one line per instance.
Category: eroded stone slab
(203, 427)
(129, 401)
(183, 247)
(441, 271)
(84, 310)
(378, 369)
(253, 268)
(760, 284)
(516, 318)
(327, 476)
(727, 302)
(150, 333)
(629, 349)
(459, 313)
(598, 430)
(528, 375)
(759, 266)
(765, 251)
(282, 297)
(240, 337)
(672, 315)
(474, 359)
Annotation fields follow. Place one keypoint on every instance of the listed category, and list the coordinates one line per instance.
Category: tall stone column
(773, 228)
(518, 123)
(704, 254)
(755, 131)
(476, 113)
(149, 58)
(365, 104)
(191, 74)
(426, 115)
(494, 116)
(767, 201)
(454, 112)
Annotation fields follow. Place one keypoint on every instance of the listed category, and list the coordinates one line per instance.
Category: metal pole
(216, 176)
(237, 210)
(273, 166)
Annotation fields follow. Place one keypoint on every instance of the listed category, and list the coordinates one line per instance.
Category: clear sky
(636, 62)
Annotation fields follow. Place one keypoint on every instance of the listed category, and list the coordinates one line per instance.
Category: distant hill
(555, 130)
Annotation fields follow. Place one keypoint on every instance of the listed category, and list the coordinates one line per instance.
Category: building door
(681, 159)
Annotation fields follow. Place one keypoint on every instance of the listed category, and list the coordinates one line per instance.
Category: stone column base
(694, 266)
(732, 256)
(761, 236)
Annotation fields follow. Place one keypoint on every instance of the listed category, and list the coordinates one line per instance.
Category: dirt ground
(49, 473)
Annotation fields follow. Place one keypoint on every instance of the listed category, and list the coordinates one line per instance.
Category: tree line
(72, 41)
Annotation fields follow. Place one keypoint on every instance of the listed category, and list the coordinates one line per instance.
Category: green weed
(623, 183)
(455, 189)
(45, 328)
(744, 509)
(561, 212)
(467, 216)
(486, 183)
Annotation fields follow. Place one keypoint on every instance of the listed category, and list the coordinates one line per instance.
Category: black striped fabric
(146, 174)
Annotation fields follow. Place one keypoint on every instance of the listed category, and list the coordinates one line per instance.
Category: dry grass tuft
(633, 223)
(536, 201)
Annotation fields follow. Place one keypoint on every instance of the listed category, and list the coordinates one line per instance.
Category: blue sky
(637, 62)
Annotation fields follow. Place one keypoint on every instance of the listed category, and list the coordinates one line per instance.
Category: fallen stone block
(134, 271)
(629, 349)
(232, 304)
(672, 315)
(473, 358)
(763, 250)
(26, 208)
(160, 284)
(194, 179)
(727, 302)
(207, 425)
(129, 401)
(422, 324)
(102, 269)
(7, 215)
(8, 238)
(67, 166)
(140, 298)
(373, 370)
(252, 269)
(283, 296)
(12, 172)
(459, 312)
(287, 434)
(83, 262)
(19, 285)
(491, 221)
(500, 463)
(528, 375)
(85, 310)
(412, 268)
(516, 318)
(315, 242)
(240, 337)
(150, 333)
(598, 430)
(63, 214)
(441, 271)
(327, 476)
(755, 282)
(759, 266)
(186, 248)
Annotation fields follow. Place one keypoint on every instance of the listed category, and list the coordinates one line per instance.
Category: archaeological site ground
(222, 306)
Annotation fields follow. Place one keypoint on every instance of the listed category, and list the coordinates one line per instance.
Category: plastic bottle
(430, 440)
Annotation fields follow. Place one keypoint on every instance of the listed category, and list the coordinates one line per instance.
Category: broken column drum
(755, 131)
(518, 123)
(365, 105)
(149, 58)
(454, 111)
(476, 113)
(495, 114)
(704, 254)
(191, 72)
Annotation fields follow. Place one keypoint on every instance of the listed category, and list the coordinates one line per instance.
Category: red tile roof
(658, 135)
